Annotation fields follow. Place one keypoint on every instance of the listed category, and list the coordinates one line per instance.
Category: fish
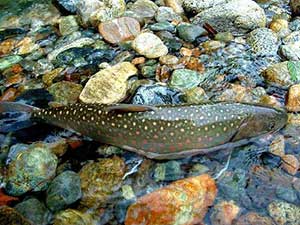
(163, 131)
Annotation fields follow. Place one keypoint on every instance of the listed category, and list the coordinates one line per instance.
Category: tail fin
(13, 123)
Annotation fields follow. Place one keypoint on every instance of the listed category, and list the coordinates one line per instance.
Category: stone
(68, 25)
(224, 37)
(66, 5)
(144, 8)
(149, 45)
(7, 46)
(290, 164)
(168, 60)
(269, 101)
(277, 146)
(149, 71)
(95, 11)
(280, 27)
(176, 5)
(200, 5)
(74, 217)
(164, 14)
(26, 46)
(263, 42)
(283, 74)
(65, 92)
(64, 190)
(163, 26)
(224, 213)
(189, 32)
(195, 95)
(290, 48)
(34, 210)
(212, 46)
(169, 171)
(252, 218)
(284, 213)
(156, 95)
(8, 61)
(49, 77)
(182, 202)
(293, 98)
(295, 6)
(101, 179)
(127, 192)
(235, 16)
(119, 30)
(9, 94)
(184, 79)
(287, 194)
(10, 216)
(32, 170)
(108, 85)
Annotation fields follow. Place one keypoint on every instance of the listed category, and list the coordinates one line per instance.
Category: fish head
(263, 120)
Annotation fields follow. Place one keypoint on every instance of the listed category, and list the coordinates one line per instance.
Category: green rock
(144, 8)
(68, 25)
(189, 32)
(184, 79)
(162, 26)
(196, 96)
(224, 37)
(73, 217)
(198, 169)
(35, 211)
(166, 14)
(168, 171)
(64, 190)
(32, 170)
(127, 192)
(149, 71)
(65, 92)
(8, 61)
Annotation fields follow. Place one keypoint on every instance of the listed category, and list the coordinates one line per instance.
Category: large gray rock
(200, 5)
(290, 48)
(236, 16)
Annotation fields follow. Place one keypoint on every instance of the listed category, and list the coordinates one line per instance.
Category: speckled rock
(149, 45)
(290, 48)
(101, 179)
(200, 5)
(34, 210)
(224, 213)
(74, 217)
(189, 32)
(64, 190)
(166, 14)
(253, 218)
(65, 92)
(68, 25)
(263, 42)
(284, 213)
(236, 16)
(10, 216)
(144, 9)
(31, 171)
(184, 79)
(293, 98)
(95, 11)
(120, 29)
(108, 85)
(182, 202)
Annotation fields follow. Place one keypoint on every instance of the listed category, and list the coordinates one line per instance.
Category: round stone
(184, 79)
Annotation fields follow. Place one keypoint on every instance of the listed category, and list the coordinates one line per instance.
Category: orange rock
(253, 218)
(6, 199)
(182, 202)
(15, 79)
(290, 164)
(163, 73)
(7, 46)
(138, 60)
(120, 29)
(17, 68)
(186, 52)
(9, 95)
(224, 213)
(293, 99)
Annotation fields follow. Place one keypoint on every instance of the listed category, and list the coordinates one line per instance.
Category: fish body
(166, 131)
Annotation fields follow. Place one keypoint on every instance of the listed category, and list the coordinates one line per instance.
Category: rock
(169, 171)
(65, 92)
(184, 79)
(290, 48)
(280, 27)
(149, 71)
(34, 210)
(156, 95)
(287, 194)
(252, 218)
(49, 77)
(182, 202)
(189, 32)
(7, 46)
(212, 46)
(295, 6)
(9, 95)
(176, 5)
(9, 216)
(26, 46)
(224, 37)
(68, 25)
(8, 61)
(290, 164)
(195, 95)
(119, 30)
(101, 179)
(268, 100)
(200, 5)
(149, 45)
(32, 170)
(138, 60)
(192, 63)
(224, 213)
(63, 191)
(277, 146)
(74, 217)
(166, 14)
(198, 169)
(168, 60)
(263, 42)
(95, 11)
(108, 85)
(66, 6)
(236, 16)
(284, 213)
(293, 98)
(163, 26)
(127, 192)
(144, 9)
(283, 74)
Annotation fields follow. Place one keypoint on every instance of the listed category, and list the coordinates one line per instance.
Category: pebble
(32, 170)
(74, 217)
(68, 25)
(169, 171)
(212, 46)
(224, 37)
(138, 60)
(49, 77)
(236, 16)
(198, 6)
(253, 218)
(101, 179)
(184, 79)
(293, 98)
(290, 164)
(280, 27)
(64, 190)
(168, 60)
(9, 95)
(224, 213)
(108, 85)
(8, 61)
(290, 48)
(128, 192)
(163, 26)
(176, 5)
(119, 30)
(34, 210)
(284, 213)
(189, 32)
(196, 95)
(144, 9)
(149, 45)
(287, 194)
(164, 14)
(10, 216)
(182, 202)
(277, 145)
(263, 42)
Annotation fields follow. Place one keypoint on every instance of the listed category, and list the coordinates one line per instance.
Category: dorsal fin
(130, 108)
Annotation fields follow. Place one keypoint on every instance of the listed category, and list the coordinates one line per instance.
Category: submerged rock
(200, 5)
(10, 216)
(253, 218)
(290, 48)
(224, 213)
(166, 14)
(189, 32)
(182, 202)
(144, 9)
(74, 217)
(284, 213)
(108, 85)
(68, 25)
(8, 61)
(184, 79)
(293, 98)
(63, 191)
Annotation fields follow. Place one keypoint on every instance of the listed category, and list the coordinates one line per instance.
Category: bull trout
(166, 131)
